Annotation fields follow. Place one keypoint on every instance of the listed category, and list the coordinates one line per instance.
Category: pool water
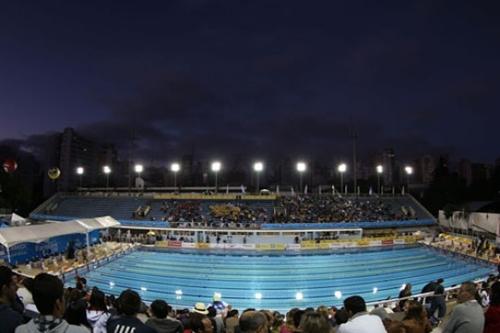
(280, 281)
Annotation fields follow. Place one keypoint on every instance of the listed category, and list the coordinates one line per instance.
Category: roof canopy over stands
(98, 223)
(42, 232)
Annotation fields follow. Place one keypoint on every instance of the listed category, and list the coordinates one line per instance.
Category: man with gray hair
(253, 322)
(468, 315)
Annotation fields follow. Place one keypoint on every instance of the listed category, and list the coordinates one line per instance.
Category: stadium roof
(42, 232)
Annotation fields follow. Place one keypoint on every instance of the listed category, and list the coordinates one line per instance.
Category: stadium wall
(304, 245)
(268, 226)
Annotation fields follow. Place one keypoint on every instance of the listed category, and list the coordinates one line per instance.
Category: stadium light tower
(301, 168)
(175, 167)
(258, 167)
(380, 170)
(80, 171)
(107, 170)
(342, 168)
(216, 166)
(409, 172)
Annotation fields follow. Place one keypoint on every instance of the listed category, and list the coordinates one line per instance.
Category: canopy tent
(17, 220)
(98, 223)
(41, 232)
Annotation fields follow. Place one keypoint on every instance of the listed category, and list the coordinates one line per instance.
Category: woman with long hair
(288, 326)
(75, 314)
(315, 322)
(405, 292)
(415, 320)
(97, 312)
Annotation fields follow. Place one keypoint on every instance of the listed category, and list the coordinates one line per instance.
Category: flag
(305, 189)
(293, 192)
(243, 188)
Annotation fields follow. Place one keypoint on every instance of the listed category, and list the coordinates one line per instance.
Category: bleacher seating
(298, 209)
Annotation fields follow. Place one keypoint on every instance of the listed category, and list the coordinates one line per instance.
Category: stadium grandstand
(279, 253)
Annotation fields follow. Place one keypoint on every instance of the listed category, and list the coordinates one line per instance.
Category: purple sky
(262, 78)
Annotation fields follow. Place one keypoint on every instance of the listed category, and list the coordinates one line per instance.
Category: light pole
(216, 166)
(258, 167)
(175, 167)
(80, 171)
(301, 168)
(139, 168)
(341, 169)
(380, 170)
(409, 172)
(107, 170)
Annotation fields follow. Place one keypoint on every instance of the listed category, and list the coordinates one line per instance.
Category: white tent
(17, 220)
(41, 232)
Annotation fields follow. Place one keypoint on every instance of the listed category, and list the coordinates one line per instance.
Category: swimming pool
(280, 281)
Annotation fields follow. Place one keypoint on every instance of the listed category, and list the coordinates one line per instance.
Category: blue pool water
(272, 281)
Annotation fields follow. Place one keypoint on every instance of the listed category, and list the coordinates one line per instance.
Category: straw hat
(200, 308)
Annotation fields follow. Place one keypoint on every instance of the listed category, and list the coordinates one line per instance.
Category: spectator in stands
(97, 313)
(129, 305)
(467, 316)
(314, 322)
(48, 293)
(415, 320)
(25, 291)
(81, 283)
(297, 317)
(438, 301)
(492, 315)
(232, 321)
(360, 321)
(9, 319)
(216, 319)
(277, 322)
(405, 292)
(160, 321)
(484, 297)
(341, 317)
(253, 322)
(76, 313)
(200, 323)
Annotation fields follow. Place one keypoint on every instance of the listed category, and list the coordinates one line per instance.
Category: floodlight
(216, 166)
(301, 167)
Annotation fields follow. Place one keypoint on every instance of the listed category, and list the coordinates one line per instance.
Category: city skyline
(255, 79)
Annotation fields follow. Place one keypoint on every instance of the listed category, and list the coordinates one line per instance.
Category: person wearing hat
(200, 308)
(199, 322)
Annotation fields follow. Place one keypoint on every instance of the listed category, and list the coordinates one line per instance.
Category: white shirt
(363, 322)
(25, 296)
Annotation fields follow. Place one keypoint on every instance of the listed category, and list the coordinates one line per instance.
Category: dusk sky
(262, 78)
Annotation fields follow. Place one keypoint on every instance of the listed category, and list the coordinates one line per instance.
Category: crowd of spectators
(286, 209)
(43, 305)
(182, 211)
(241, 213)
(329, 208)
